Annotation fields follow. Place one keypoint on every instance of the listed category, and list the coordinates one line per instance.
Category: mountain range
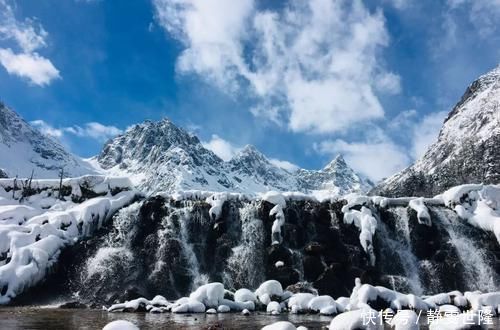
(159, 156)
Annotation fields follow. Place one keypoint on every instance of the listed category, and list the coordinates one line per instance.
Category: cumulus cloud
(376, 157)
(47, 129)
(37, 69)
(29, 36)
(312, 65)
(91, 130)
(222, 148)
(286, 165)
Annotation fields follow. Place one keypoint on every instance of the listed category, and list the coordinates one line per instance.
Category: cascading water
(245, 265)
(396, 257)
(161, 246)
(474, 256)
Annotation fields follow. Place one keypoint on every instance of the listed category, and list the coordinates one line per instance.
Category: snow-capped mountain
(160, 156)
(254, 172)
(336, 175)
(24, 149)
(467, 149)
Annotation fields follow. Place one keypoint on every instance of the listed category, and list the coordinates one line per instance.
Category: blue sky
(302, 81)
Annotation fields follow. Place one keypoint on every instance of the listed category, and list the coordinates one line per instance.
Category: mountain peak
(466, 150)
(337, 162)
(29, 150)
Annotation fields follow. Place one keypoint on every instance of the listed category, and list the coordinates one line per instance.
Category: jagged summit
(466, 150)
(336, 175)
(24, 149)
(163, 157)
(337, 162)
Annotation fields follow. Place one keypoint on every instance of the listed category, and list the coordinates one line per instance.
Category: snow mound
(281, 325)
(405, 320)
(358, 319)
(120, 325)
(268, 290)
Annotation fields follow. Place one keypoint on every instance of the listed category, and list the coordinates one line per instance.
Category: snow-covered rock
(244, 295)
(31, 237)
(267, 290)
(273, 307)
(281, 325)
(405, 320)
(368, 319)
(120, 325)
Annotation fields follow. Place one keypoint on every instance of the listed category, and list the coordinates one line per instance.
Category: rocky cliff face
(170, 247)
(467, 149)
(163, 157)
(24, 149)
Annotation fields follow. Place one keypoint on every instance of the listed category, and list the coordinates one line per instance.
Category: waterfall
(398, 260)
(161, 246)
(474, 257)
(246, 264)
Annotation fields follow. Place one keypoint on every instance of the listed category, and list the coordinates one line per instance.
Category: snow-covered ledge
(35, 227)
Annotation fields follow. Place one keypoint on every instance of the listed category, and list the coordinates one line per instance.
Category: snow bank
(31, 237)
(478, 204)
(423, 215)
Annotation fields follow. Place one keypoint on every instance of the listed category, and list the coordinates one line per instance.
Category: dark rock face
(160, 246)
(3, 174)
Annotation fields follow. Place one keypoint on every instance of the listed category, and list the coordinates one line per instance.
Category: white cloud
(222, 148)
(38, 70)
(312, 65)
(483, 14)
(94, 130)
(426, 132)
(47, 129)
(286, 165)
(29, 36)
(377, 157)
(91, 130)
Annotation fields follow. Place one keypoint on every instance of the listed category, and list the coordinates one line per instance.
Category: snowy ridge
(160, 156)
(466, 150)
(24, 149)
(35, 227)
